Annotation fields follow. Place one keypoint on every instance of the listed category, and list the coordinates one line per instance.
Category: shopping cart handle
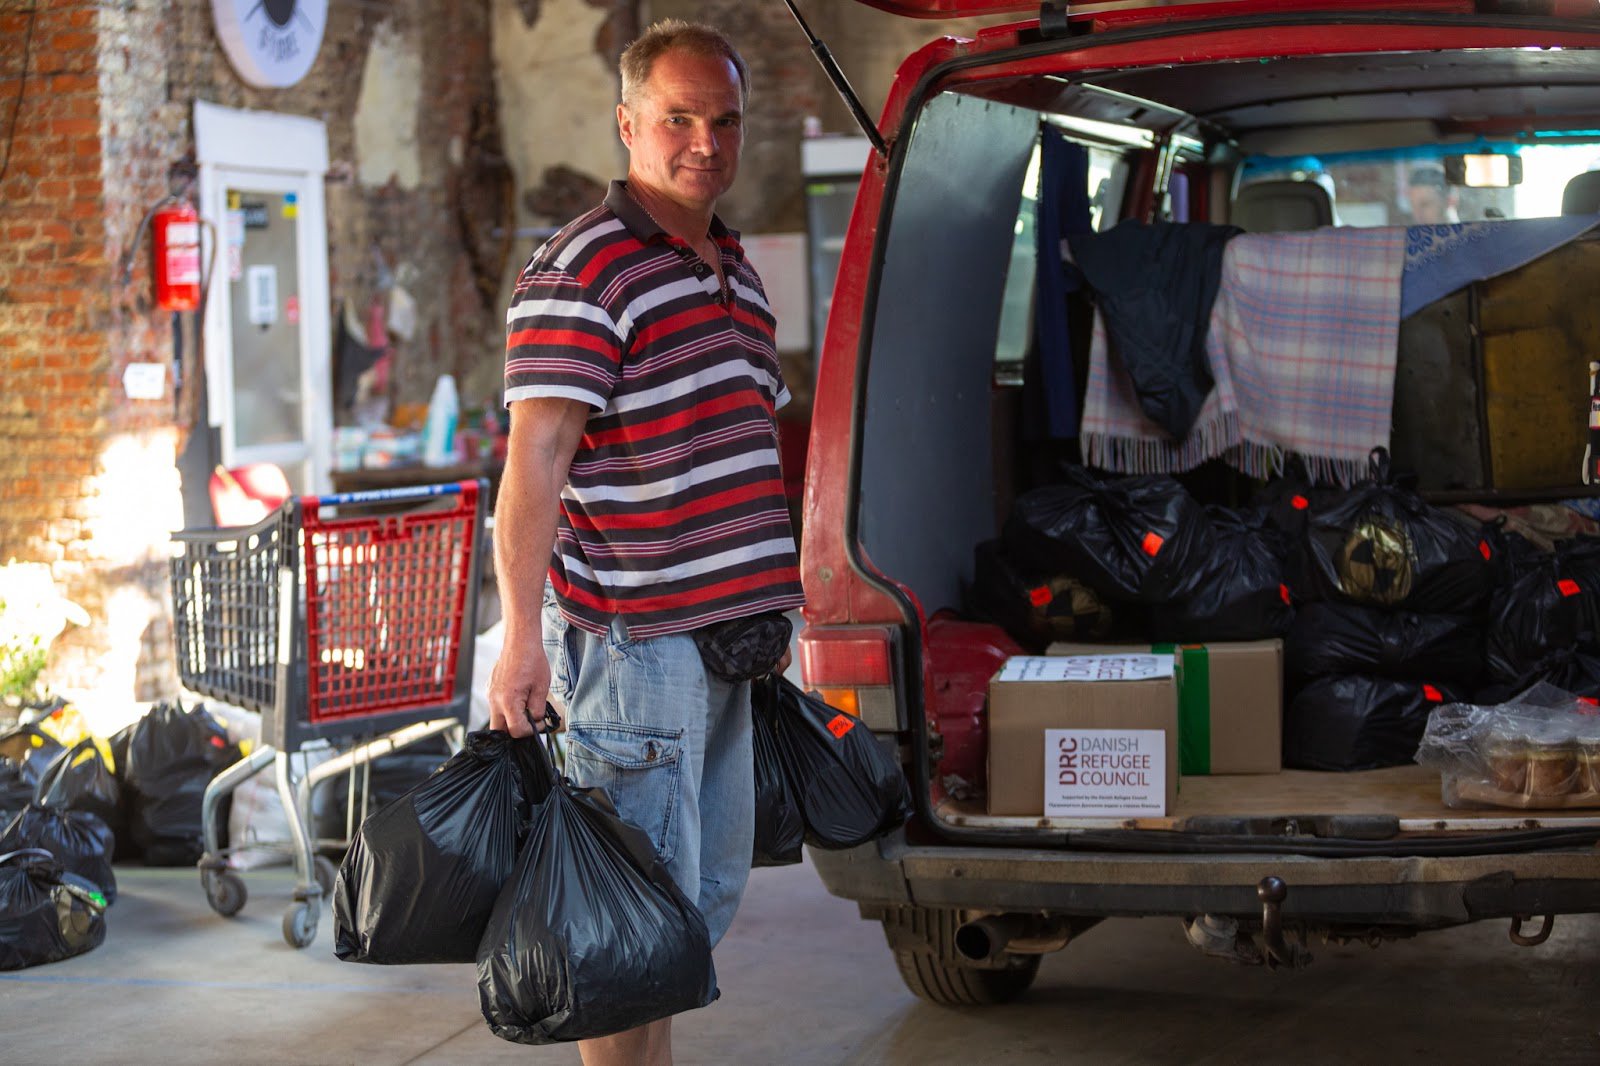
(410, 492)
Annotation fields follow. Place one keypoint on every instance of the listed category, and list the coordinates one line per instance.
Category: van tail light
(852, 669)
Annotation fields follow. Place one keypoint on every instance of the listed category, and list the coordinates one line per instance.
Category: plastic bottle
(439, 435)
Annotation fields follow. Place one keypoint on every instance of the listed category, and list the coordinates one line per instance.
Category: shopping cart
(344, 618)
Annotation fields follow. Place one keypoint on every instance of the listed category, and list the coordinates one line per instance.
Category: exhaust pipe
(984, 940)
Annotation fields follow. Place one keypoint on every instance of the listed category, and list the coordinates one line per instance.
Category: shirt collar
(645, 229)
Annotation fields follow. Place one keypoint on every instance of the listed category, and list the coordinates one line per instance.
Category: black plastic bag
(1347, 638)
(46, 914)
(16, 791)
(591, 936)
(848, 787)
(1034, 609)
(172, 755)
(80, 780)
(1135, 539)
(1383, 545)
(1573, 670)
(81, 842)
(1553, 605)
(31, 750)
(1358, 723)
(422, 874)
(1240, 592)
(1286, 503)
(780, 831)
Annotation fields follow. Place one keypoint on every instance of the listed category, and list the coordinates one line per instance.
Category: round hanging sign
(271, 43)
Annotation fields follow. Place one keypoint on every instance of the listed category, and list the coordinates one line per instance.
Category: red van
(1192, 111)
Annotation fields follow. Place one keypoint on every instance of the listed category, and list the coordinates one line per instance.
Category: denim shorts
(670, 744)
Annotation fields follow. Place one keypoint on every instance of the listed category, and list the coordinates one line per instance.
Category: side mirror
(1483, 170)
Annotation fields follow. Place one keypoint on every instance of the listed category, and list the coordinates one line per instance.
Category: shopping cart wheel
(299, 925)
(323, 869)
(225, 891)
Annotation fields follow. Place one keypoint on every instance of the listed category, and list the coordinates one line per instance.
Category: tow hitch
(1221, 936)
(1272, 892)
(1537, 938)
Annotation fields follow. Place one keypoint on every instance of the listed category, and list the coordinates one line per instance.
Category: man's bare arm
(545, 433)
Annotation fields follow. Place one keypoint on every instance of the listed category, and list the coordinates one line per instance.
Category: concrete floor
(804, 982)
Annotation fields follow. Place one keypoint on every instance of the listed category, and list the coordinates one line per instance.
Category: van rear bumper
(1417, 892)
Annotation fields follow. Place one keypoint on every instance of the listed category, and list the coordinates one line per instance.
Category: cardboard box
(1230, 703)
(1110, 705)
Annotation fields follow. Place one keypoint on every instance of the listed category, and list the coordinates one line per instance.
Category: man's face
(1427, 203)
(685, 130)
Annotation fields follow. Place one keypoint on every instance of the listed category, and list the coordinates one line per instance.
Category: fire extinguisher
(175, 239)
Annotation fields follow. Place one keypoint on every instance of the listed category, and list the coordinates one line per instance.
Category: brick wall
(87, 475)
(54, 268)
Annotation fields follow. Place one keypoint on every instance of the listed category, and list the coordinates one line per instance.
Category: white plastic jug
(439, 435)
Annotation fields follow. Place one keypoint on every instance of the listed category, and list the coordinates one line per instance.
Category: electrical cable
(22, 88)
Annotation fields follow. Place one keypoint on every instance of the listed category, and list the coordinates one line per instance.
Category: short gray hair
(673, 35)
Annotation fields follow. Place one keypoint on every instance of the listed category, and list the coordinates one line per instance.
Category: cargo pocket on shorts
(557, 649)
(638, 767)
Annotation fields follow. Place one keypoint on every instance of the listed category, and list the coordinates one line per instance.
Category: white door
(267, 324)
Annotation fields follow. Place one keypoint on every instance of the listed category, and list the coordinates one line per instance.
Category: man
(643, 475)
(1429, 199)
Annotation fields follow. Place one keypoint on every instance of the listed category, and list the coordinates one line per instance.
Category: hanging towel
(1301, 345)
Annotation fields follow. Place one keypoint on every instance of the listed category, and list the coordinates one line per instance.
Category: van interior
(1492, 384)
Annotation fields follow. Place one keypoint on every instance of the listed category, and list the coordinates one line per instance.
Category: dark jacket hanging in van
(1155, 285)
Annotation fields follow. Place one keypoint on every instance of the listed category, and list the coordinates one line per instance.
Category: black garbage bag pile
(1575, 670)
(1547, 607)
(15, 791)
(1240, 593)
(1391, 593)
(1036, 609)
(1384, 546)
(80, 779)
(421, 877)
(591, 936)
(1346, 638)
(171, 755)
(66, 816)
(1351, 722)
(1141, 540)
(78, 840)
(26, 751)
(46, 913)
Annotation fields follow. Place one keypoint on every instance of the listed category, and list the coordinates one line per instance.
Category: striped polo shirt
(673, 516)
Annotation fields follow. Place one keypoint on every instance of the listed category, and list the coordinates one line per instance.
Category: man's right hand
(519, 687)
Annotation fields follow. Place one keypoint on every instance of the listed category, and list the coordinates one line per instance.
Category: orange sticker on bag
(1299, 503)
(1283, 593)
(1040, 596)
(1568, 587)
(1432, 694)
(1151, 544)
(1483, 549)
(841, 724)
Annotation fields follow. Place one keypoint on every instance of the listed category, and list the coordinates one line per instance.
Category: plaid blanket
(1301, 345)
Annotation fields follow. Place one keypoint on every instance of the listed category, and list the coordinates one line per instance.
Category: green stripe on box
(1194, 706)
